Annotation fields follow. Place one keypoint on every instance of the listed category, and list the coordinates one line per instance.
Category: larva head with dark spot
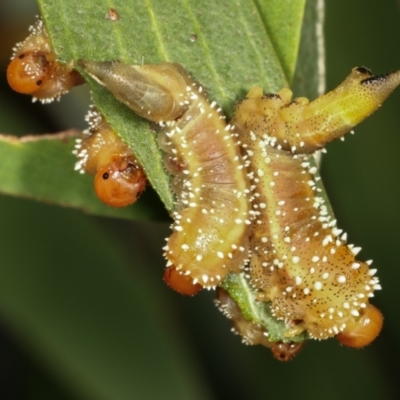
(286, 351)
(28, 71)
(120, 182)
(34, 68)
(119, 179)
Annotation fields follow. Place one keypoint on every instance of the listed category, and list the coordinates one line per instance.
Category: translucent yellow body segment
(300, 261)
(155, 92)
(212, 219)
(304, 127)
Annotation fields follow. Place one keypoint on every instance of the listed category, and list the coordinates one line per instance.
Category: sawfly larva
(211, 219)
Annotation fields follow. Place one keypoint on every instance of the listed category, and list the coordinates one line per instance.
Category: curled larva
(300, 261)
(119, 179)
(212, 219)
(34, 68)
(251, 333)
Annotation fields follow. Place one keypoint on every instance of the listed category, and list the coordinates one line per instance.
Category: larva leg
(303, 127)
(34, 68)
(251, 333)
(212, 219)
(119, 179)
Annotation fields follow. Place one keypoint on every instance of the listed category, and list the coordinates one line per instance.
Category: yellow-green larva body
(304, 127)
(300, 261)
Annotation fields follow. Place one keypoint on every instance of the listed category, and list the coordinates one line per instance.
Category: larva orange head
(120, 182)
(34, 68)
(286, 351)
(360, 332)
(28, 71)
(182, 284)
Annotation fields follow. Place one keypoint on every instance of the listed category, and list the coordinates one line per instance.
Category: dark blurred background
(84, 313)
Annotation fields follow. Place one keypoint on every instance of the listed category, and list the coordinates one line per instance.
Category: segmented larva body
(251, 333)
(299, 260)
(212, 219)
(119, 178)
(34, 68)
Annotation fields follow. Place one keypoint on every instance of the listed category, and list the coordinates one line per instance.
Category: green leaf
(284, 29)
(99, 321)
(197, 34)
(41, 168)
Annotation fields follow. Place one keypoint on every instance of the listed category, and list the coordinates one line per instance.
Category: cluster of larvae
(247, 195)
(35, 70)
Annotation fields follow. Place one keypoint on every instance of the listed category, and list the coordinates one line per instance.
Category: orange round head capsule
(286, 351)
(119, 183)
(362, 331)
(119, 178)
(34, 68)
(28, 71)
(182, 284)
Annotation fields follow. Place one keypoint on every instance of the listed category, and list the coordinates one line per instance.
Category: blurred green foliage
(179, 347)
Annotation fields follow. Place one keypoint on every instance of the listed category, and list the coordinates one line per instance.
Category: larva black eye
(364, 70)
(271, 96)
(106, 175)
